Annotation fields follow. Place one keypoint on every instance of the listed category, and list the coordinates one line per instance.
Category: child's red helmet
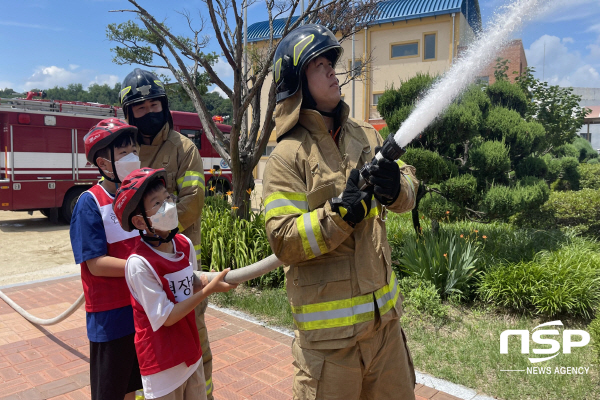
(131, 192)
(103, 134)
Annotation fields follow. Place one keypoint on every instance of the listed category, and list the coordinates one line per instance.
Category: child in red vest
(101, 246)
(164, 291)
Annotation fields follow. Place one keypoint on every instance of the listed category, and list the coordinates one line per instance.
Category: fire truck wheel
(69, 203)
(45, 212)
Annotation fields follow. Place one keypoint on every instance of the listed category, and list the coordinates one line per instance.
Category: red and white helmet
(131, 193)
(103, 134)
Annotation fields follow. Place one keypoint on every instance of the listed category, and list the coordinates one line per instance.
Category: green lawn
(464, 349)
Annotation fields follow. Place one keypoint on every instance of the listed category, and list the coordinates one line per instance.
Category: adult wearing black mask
(146, 106)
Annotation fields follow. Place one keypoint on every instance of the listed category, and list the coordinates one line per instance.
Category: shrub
(589, 176)
(491, 161)
(594, 330)
(566, 150)
(579, 210)
(509, 95)
(500, 202)
(500, 122)
(230, 242)
(423, 297)
(532, 166)
(566, 281)
(586, 151)
(431, 167)
(437, 207)
(445, 260)
(461, 189)
(398, 117)
(531, 193)
(384, 132)
(594, 161)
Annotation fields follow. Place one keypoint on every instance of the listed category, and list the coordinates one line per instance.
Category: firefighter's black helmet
(140, 85)
(296, 49)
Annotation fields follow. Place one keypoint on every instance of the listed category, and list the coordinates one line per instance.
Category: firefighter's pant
(206, 352)
(378, 367)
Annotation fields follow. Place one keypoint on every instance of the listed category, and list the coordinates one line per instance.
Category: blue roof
(389, 11)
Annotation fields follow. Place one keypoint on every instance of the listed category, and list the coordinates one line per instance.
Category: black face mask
(151, 123)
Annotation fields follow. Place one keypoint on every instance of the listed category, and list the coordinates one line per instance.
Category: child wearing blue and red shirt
(101, 247)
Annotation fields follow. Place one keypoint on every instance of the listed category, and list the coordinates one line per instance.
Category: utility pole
(245, 62)
(352, 72)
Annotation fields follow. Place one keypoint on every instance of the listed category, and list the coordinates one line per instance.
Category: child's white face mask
(165, 218)
(127, 165)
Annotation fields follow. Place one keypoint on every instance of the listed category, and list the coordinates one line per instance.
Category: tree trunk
(241, 197)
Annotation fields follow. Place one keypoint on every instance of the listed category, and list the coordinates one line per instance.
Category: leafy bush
(586, 151)
(230, 242)
(594, 330)
(437, 207)
(384, 132)
(500, 203)
(579, 210)
(589, 176)
(445, 260)
(431, 167)
(422, 297)
(461, 189)
(491, 161)
(532, 166)
(531, 193)
(566, 150)
(594, 161)
(505, 94)
(566, 281)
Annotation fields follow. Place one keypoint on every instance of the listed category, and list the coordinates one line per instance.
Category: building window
(376, 97)
(404, 50)
(268, 151)
(429, 46)
(194, 135)
(356, 69)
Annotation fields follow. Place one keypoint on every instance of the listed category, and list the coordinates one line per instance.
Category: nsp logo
(567, 340)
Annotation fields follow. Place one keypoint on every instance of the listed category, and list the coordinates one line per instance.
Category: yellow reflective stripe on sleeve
(400, 163)
(334, 314)
(387, 296)
(284, 203)
(209, 386)
(191, 178)
(309, 230)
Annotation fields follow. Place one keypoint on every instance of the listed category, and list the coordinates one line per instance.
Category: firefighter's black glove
(355, 204)
(385, 177)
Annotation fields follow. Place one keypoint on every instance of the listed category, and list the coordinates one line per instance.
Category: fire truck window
(194, 135)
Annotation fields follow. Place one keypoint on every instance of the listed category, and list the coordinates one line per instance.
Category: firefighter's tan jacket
(337, 277)
(179, 156)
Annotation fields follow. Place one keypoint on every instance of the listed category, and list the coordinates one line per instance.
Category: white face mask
(165, 218)
(127, 165)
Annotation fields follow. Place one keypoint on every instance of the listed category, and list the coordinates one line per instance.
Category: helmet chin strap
(116, 179)
(155, 240)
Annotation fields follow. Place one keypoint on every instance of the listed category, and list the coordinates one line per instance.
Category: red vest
(169, 345)
(104, 293)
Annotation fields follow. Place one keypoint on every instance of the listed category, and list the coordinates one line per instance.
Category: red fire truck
(42, 157)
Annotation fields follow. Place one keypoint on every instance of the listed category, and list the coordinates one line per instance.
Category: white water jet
(477, 57)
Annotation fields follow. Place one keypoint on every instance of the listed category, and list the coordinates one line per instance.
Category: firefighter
(146, 106)
(343, 292)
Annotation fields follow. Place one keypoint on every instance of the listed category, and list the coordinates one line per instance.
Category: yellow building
(407, 37)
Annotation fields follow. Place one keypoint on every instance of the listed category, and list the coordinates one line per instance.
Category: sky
(47, 43)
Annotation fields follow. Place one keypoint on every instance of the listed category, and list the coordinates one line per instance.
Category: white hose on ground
(39, 321)
(249, 272)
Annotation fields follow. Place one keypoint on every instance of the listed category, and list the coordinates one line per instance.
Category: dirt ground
(33, 248)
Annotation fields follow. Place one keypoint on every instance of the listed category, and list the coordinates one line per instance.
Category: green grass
(464, 350)
(270, 305)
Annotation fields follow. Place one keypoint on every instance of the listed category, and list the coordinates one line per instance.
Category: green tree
(153, 44)
(481, 159)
